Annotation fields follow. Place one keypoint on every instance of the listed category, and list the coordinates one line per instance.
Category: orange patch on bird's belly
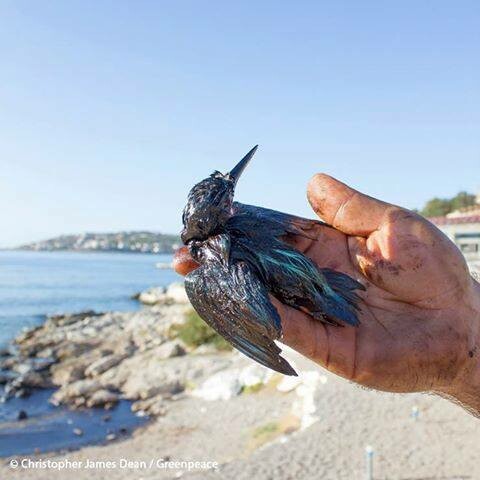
(183, 263)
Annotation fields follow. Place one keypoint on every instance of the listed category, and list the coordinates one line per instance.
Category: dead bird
(244, 258)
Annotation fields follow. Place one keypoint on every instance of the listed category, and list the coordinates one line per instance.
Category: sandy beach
(441, 443)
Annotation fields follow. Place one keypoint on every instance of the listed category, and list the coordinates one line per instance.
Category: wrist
(465, 387)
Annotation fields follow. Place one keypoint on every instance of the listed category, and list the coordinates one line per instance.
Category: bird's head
(209, 203)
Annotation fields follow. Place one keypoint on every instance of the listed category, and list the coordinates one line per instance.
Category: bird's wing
(279, 223)
(233, 301)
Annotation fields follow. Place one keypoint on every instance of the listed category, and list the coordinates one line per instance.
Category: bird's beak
(240, 166)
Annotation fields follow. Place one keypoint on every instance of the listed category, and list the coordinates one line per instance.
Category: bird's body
(244, 258)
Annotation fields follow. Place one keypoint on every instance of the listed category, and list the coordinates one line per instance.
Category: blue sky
(111, 110)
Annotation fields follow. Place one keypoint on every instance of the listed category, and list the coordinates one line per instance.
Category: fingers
(300, 333)
(183, 263)
(344, 208)
(331, 347)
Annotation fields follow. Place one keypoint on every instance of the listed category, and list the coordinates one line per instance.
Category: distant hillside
(144, 242)
(438, 207)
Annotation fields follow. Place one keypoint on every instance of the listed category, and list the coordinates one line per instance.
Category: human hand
(420, 313)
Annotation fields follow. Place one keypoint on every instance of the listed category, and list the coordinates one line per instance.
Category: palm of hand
(414, 278)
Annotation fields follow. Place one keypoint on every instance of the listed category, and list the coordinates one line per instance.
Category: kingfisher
(245, 258)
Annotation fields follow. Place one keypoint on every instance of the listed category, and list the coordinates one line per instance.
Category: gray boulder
(102, 398)
(103, 364)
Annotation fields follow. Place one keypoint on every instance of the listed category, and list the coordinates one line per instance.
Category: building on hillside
(463, 228)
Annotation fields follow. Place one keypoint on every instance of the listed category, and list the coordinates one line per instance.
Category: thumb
(344, 208)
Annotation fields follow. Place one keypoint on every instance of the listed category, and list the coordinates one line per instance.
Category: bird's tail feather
(342, 303)
(336, 310)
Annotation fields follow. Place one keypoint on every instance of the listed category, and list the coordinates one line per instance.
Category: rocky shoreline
(97, 359)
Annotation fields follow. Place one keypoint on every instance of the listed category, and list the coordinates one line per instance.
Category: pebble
(22, 415)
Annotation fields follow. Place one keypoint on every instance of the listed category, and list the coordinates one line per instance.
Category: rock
(63, 374)
(41, 364)
(101, 398)
(83, 387)
(221, 386)
(289, 383)
(106, 418)
(152, 296)
(176, 293)
(103, 364)
(22, 393)
(22, 368)
(78, 402)
(143, 374)
(78, 431)
(6, 376)
(90, 356)
(8, 363)
(69, 319)
(22, 415)
(76, 391)
(206, 349)
(253, 375)
(71, 349)
(12, 387)
(26, 334)
(35, 380)
(68, 372)
(151, 327)
(47, 352)
(154, 406)
(125, 347)
(166, 389)
(172, 348)
(305, 407)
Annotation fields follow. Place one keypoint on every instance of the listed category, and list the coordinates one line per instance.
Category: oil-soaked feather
(343, 285)
(278, 223)
(294, 279)
(233, 301)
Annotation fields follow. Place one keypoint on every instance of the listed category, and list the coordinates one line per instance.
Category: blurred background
(111, 111)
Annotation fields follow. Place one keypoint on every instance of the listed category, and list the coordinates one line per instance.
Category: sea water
(36, 284)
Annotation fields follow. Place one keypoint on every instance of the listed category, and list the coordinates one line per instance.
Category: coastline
(92, 361)
(169, 252)
(100, 361)
(316, 425)
(70, 352)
